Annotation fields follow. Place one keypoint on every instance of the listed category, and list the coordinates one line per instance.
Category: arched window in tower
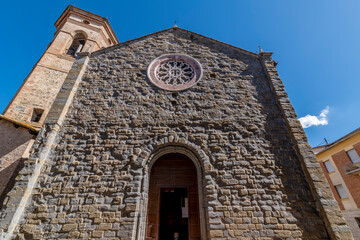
(77, 44)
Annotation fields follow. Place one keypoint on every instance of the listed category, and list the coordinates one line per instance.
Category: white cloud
(310, 120)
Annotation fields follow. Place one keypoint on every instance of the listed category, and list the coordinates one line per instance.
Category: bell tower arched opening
(77, 44)
(173, 203)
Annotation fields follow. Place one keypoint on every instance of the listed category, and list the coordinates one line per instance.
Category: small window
(37, 113)
(341, 191)
(353, 156)
(358, 221)
(329, 166)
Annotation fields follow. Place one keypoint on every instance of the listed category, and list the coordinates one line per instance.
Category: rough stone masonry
(87, 176)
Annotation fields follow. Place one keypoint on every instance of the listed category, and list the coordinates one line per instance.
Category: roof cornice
(340, 140)
(173, 29)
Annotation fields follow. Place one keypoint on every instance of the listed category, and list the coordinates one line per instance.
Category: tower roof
(86, 15)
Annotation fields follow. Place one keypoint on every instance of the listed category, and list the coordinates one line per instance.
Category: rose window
(174, 72)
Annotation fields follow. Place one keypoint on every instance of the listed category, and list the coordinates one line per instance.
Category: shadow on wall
(13, 144)
(293, 195)
(12, 137)
(7, 178)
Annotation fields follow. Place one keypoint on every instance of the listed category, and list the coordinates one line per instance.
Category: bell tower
(76, 31)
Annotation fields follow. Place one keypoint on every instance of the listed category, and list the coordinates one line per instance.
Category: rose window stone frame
(174, 72)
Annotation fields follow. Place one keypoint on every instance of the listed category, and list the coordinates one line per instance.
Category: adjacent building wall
(336, 154)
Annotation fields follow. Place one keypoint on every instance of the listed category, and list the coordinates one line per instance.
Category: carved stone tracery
(174, 72)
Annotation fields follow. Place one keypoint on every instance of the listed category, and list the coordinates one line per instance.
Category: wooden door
(172, 174)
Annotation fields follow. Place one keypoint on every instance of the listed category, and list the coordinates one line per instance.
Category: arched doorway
(173, 205)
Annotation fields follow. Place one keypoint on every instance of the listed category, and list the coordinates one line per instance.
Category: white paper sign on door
(185, 208)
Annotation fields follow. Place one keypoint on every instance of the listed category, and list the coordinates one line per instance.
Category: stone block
(97, 234)
(216, 234)
(69, 227)
(104, 226)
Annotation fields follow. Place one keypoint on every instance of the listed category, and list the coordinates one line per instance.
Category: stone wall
(94, 185)
(325, 201)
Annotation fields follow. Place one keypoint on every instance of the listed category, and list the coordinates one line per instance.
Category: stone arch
(80, 32)
(165, 146)
(78, 42)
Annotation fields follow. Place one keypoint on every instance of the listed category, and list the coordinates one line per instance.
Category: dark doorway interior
(174, 214)
(173, 178)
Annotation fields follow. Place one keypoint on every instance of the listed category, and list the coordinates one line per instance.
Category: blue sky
(317, 44)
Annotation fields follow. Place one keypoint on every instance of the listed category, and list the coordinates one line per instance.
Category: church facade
(168, 136)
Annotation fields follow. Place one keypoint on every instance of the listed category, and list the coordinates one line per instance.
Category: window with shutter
(341, 191)
(353, 156)
(329, 166)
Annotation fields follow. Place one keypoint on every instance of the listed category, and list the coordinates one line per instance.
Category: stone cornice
(176, 29)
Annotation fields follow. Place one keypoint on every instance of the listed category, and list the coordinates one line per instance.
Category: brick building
(170, 135)
(340, 163)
